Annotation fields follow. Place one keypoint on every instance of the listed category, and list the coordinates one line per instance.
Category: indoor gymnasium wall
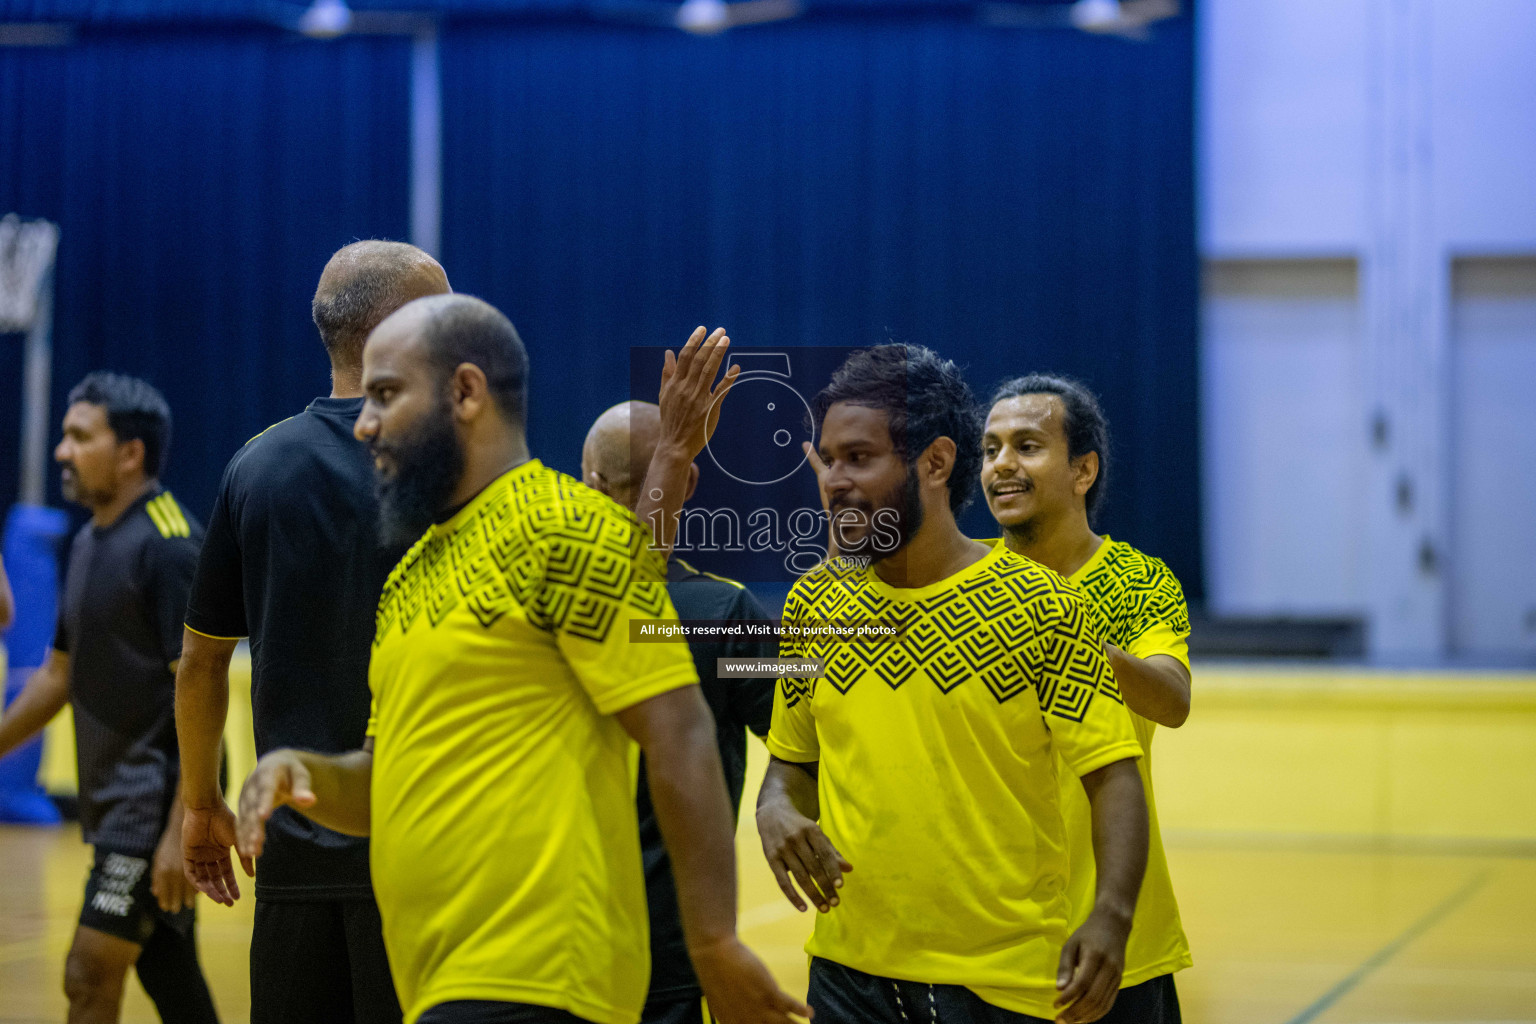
(1363, 438)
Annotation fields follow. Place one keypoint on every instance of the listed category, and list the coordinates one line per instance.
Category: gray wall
(1368, 214)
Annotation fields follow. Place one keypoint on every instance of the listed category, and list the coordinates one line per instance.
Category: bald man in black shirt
(113, 658)
(614, 459)
(293, 561)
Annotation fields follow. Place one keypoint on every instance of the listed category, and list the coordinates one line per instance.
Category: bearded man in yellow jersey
(497, 780)
(914, 791)
(1044, 462)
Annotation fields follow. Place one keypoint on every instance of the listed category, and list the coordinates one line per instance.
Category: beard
(427, 467)
(892, 521)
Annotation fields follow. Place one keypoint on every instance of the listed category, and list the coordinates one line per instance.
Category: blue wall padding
(32, 536)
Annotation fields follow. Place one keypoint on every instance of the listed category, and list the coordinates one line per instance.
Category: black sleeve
(61, 631)
(752, 699)
(173, 562)
(217, 605)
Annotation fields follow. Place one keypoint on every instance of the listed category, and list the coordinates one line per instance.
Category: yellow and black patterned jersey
(1138, 599)
(939, 760)
(1141, 609)
(506, 853)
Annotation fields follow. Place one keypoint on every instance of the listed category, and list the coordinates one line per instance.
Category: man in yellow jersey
(497, 778)
(913, 792)
(1043, 470)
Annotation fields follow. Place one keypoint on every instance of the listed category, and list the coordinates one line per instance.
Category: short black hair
(136, 411)
(924, 398)
(1085, 426)
(464, 329)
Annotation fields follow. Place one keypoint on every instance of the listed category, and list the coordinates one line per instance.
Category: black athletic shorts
(118, 899)
(679, 1009)
(484, 1011)
(321, 961)
(842, 995)
(1151, 1002)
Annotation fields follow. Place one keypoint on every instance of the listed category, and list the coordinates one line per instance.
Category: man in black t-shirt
(114, 656)
(614, 458)
(293, 561)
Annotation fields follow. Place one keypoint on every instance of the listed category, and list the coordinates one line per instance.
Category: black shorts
(688, 1008)
(1151, 1002)
(842, 995)
(118, 899)
(484, 1011)
(320, 961)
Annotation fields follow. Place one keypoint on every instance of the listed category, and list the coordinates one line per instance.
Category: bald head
(452, 330)
(360, 286)
(618, 450)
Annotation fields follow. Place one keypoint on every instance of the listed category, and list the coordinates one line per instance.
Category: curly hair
(924, 398)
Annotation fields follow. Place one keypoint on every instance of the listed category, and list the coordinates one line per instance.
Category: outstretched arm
(329, 789)
(44, 696)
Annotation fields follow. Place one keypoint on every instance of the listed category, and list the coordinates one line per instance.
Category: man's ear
(937, 462)
(693, 481)
(1085, 470)
(130, 456)
(469, 391)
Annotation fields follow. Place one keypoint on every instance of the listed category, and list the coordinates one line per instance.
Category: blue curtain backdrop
(200, 182)
(1016, 200)
(1019, 200)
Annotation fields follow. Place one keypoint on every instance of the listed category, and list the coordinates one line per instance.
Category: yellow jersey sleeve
(589, 593)
(1081, 704)
(1162, 627)
(792, 734)
(1160, 638)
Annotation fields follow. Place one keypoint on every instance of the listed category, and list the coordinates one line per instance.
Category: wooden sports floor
(1284, 931)
(1281, 935)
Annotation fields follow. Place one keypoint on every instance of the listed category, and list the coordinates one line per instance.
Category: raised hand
(689, 398)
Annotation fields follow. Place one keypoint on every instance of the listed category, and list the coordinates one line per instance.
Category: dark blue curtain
(200, 183)
(1016, 200)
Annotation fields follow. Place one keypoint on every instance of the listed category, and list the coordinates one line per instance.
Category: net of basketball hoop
(27, 249)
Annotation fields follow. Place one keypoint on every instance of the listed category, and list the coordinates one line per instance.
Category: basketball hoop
(27, 249)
